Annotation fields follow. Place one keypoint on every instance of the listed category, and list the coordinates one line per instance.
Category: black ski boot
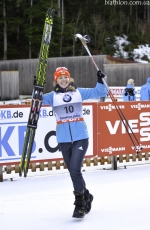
(79, 211)
(88, 200)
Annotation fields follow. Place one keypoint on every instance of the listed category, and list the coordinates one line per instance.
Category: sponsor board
(118, 91)
(113, 138)
(107, 133)
(13, 122)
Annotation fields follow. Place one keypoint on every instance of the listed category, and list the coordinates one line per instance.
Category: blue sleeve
(47, 99)
(91, 93)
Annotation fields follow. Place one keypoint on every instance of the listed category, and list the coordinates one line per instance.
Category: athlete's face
(63, 81)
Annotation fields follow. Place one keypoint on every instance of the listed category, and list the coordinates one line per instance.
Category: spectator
(129, 91)
(145, 91)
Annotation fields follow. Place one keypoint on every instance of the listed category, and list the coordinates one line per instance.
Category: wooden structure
(142, 157)
(81, 69)
(9, 85)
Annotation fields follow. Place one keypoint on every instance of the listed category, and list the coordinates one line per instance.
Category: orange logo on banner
(113, 138)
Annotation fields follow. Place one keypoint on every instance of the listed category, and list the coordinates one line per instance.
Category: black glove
(100, 75)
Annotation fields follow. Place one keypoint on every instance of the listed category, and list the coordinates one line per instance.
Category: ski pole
(86, 39)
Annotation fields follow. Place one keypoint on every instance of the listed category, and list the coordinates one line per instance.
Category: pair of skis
(38, 88)
(138, 147)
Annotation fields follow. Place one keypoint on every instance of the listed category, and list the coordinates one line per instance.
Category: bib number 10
(69, 109)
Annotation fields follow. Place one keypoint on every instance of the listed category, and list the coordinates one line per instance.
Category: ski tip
(20, 172)
(25, 173)
(51, 12)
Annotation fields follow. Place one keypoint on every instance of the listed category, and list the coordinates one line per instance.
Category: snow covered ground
(45, 201)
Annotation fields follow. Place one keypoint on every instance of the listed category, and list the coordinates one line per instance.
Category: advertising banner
(113, 138)
(107, 134)
(13, 122)
(118, 91)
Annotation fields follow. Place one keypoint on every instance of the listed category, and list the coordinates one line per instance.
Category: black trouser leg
(73, 154)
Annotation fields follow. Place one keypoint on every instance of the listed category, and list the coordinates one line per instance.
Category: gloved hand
(100, 75)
